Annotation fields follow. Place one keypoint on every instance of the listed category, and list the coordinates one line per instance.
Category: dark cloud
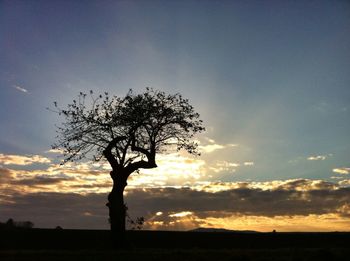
(89, 211)
(5, 174)
(69, 210)
(40, 180)
(92, 186)
(6, 178)
(306, 184)
(246, 201)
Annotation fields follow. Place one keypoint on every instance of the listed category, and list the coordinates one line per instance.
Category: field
(46, 244)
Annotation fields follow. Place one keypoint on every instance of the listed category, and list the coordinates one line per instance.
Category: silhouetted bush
(11, 224)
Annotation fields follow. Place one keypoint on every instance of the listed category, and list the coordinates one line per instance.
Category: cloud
(22, 160)
(55, 151)
(180, 214)
(344, 171)
(5, 175)
(19, 88)
(222, 165)
(213, 187)
(86, 169)
(173, 169)
(57, 180)
(53, 209)
(21, 176)
(345, 182)
(212, 146)
(318, 157)
(249, 163)
(295, 223)
(40, 180)
(296, 197)
(301, 185)
(296, 201)
(203, 203)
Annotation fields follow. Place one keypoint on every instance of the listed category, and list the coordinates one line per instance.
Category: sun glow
(173, 169)
(181, 214)
(312, 223)
(295, 223)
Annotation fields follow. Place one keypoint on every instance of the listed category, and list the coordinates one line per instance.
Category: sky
(270, 80)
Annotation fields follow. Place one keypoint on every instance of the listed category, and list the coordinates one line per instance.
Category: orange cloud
(22, 160)
(5, 174)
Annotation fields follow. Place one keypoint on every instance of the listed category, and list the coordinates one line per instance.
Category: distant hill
(204, 229)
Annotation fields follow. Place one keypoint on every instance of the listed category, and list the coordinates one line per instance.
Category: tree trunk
(117, 210)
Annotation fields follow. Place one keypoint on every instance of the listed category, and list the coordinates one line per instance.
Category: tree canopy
(127, 131)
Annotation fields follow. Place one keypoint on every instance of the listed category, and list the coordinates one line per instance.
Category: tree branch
(140, 165)
(108, 151)
(139, 149)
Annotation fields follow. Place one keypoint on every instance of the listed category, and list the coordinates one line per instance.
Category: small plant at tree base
(135, 224)
(128, 132)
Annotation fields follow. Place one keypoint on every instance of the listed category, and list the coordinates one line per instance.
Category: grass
(178, 254)
(41, 244)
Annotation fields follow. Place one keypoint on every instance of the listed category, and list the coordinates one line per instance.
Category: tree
(128, 132)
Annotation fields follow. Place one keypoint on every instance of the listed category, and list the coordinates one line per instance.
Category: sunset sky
(270, 79)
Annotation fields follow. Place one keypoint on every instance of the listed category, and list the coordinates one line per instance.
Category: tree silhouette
(128, 132)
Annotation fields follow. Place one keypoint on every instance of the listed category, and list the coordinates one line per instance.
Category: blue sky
(271, 77)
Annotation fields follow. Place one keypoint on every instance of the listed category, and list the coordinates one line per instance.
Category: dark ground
(49, 244)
